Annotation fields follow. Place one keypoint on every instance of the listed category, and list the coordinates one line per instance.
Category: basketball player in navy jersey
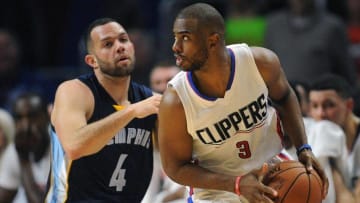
(101, 125)
(216, 126)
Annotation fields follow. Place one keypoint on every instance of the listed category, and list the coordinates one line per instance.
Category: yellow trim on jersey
(118, 107)
(67, 181)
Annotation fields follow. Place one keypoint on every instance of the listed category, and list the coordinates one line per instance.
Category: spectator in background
(162, 188)
(331, 99)
(25, 165)
(161, 74)
(357, 181)
(309, 43)
(10, 55)
(144, 55)
(7, 130)
(353, 29)
(15, 78)
(29, 20)
(329, 146)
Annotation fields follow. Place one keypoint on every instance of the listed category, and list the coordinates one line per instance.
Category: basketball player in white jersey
(216, 124)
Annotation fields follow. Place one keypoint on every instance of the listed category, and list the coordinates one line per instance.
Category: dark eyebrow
(121, 34)
(105, 39)
(183, 32)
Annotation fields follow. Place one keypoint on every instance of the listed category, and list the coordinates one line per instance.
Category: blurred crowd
(46, 38)
(41, 45)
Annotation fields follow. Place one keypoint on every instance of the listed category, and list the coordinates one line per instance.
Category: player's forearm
(357, 190)
(292, 120)
(343, 194)
(93, 137)
(196, 176)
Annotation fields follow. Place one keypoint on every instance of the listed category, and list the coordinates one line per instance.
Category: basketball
(294, 184)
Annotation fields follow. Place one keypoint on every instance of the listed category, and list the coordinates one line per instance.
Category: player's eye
(313, 105)
(108, 44)
(329, 104)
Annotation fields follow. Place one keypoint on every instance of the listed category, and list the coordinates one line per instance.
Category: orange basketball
(294, 184)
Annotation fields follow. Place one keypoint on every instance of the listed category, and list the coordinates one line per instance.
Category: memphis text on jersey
(135, 136)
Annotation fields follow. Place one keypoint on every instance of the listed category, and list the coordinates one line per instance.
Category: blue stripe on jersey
(189, 76)
(57, 164)
(232, 67)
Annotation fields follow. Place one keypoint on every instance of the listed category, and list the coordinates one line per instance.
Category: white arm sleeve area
(10, 169)
(327, 139)
(356, 158)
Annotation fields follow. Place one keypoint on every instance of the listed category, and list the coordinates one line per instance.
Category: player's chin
(181, 65)
(185, 67)
(180, 62)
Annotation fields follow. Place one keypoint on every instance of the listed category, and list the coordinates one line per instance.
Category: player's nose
(176, 47)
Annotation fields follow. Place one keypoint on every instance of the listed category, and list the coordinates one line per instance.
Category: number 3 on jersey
(118, 177)
(244, 149)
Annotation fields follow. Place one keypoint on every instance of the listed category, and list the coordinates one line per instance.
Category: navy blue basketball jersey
(121, 171)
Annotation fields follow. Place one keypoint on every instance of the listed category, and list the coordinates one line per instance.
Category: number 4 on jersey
(118, 177)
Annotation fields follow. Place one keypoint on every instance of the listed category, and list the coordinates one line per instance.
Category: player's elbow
(77, 150)
(172, 170)
(172, 174)
(72, 153)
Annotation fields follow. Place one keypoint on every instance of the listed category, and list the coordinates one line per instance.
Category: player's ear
(91, 60)
(350, 104)
(213, 40)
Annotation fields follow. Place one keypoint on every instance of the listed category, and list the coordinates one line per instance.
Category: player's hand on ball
(253, 189)
(307, 158)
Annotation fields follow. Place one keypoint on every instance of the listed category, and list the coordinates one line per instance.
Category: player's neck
(350, 128)
(212, 80)
(117, 88)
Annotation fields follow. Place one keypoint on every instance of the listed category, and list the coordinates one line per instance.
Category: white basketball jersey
(235, 134)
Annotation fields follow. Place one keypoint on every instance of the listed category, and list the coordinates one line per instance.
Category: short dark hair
(294, 84)
(207, 15)
(333, 82)
(95, 23)
(41, 106)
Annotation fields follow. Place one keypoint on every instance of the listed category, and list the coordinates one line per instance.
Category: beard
(116, 70)
(197, 60)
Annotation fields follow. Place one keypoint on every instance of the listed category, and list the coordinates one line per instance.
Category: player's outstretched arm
(73, 106)
(287, 105)
(357, 190)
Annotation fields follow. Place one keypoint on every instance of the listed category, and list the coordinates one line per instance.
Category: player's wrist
(237, 185)
(303, 148)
